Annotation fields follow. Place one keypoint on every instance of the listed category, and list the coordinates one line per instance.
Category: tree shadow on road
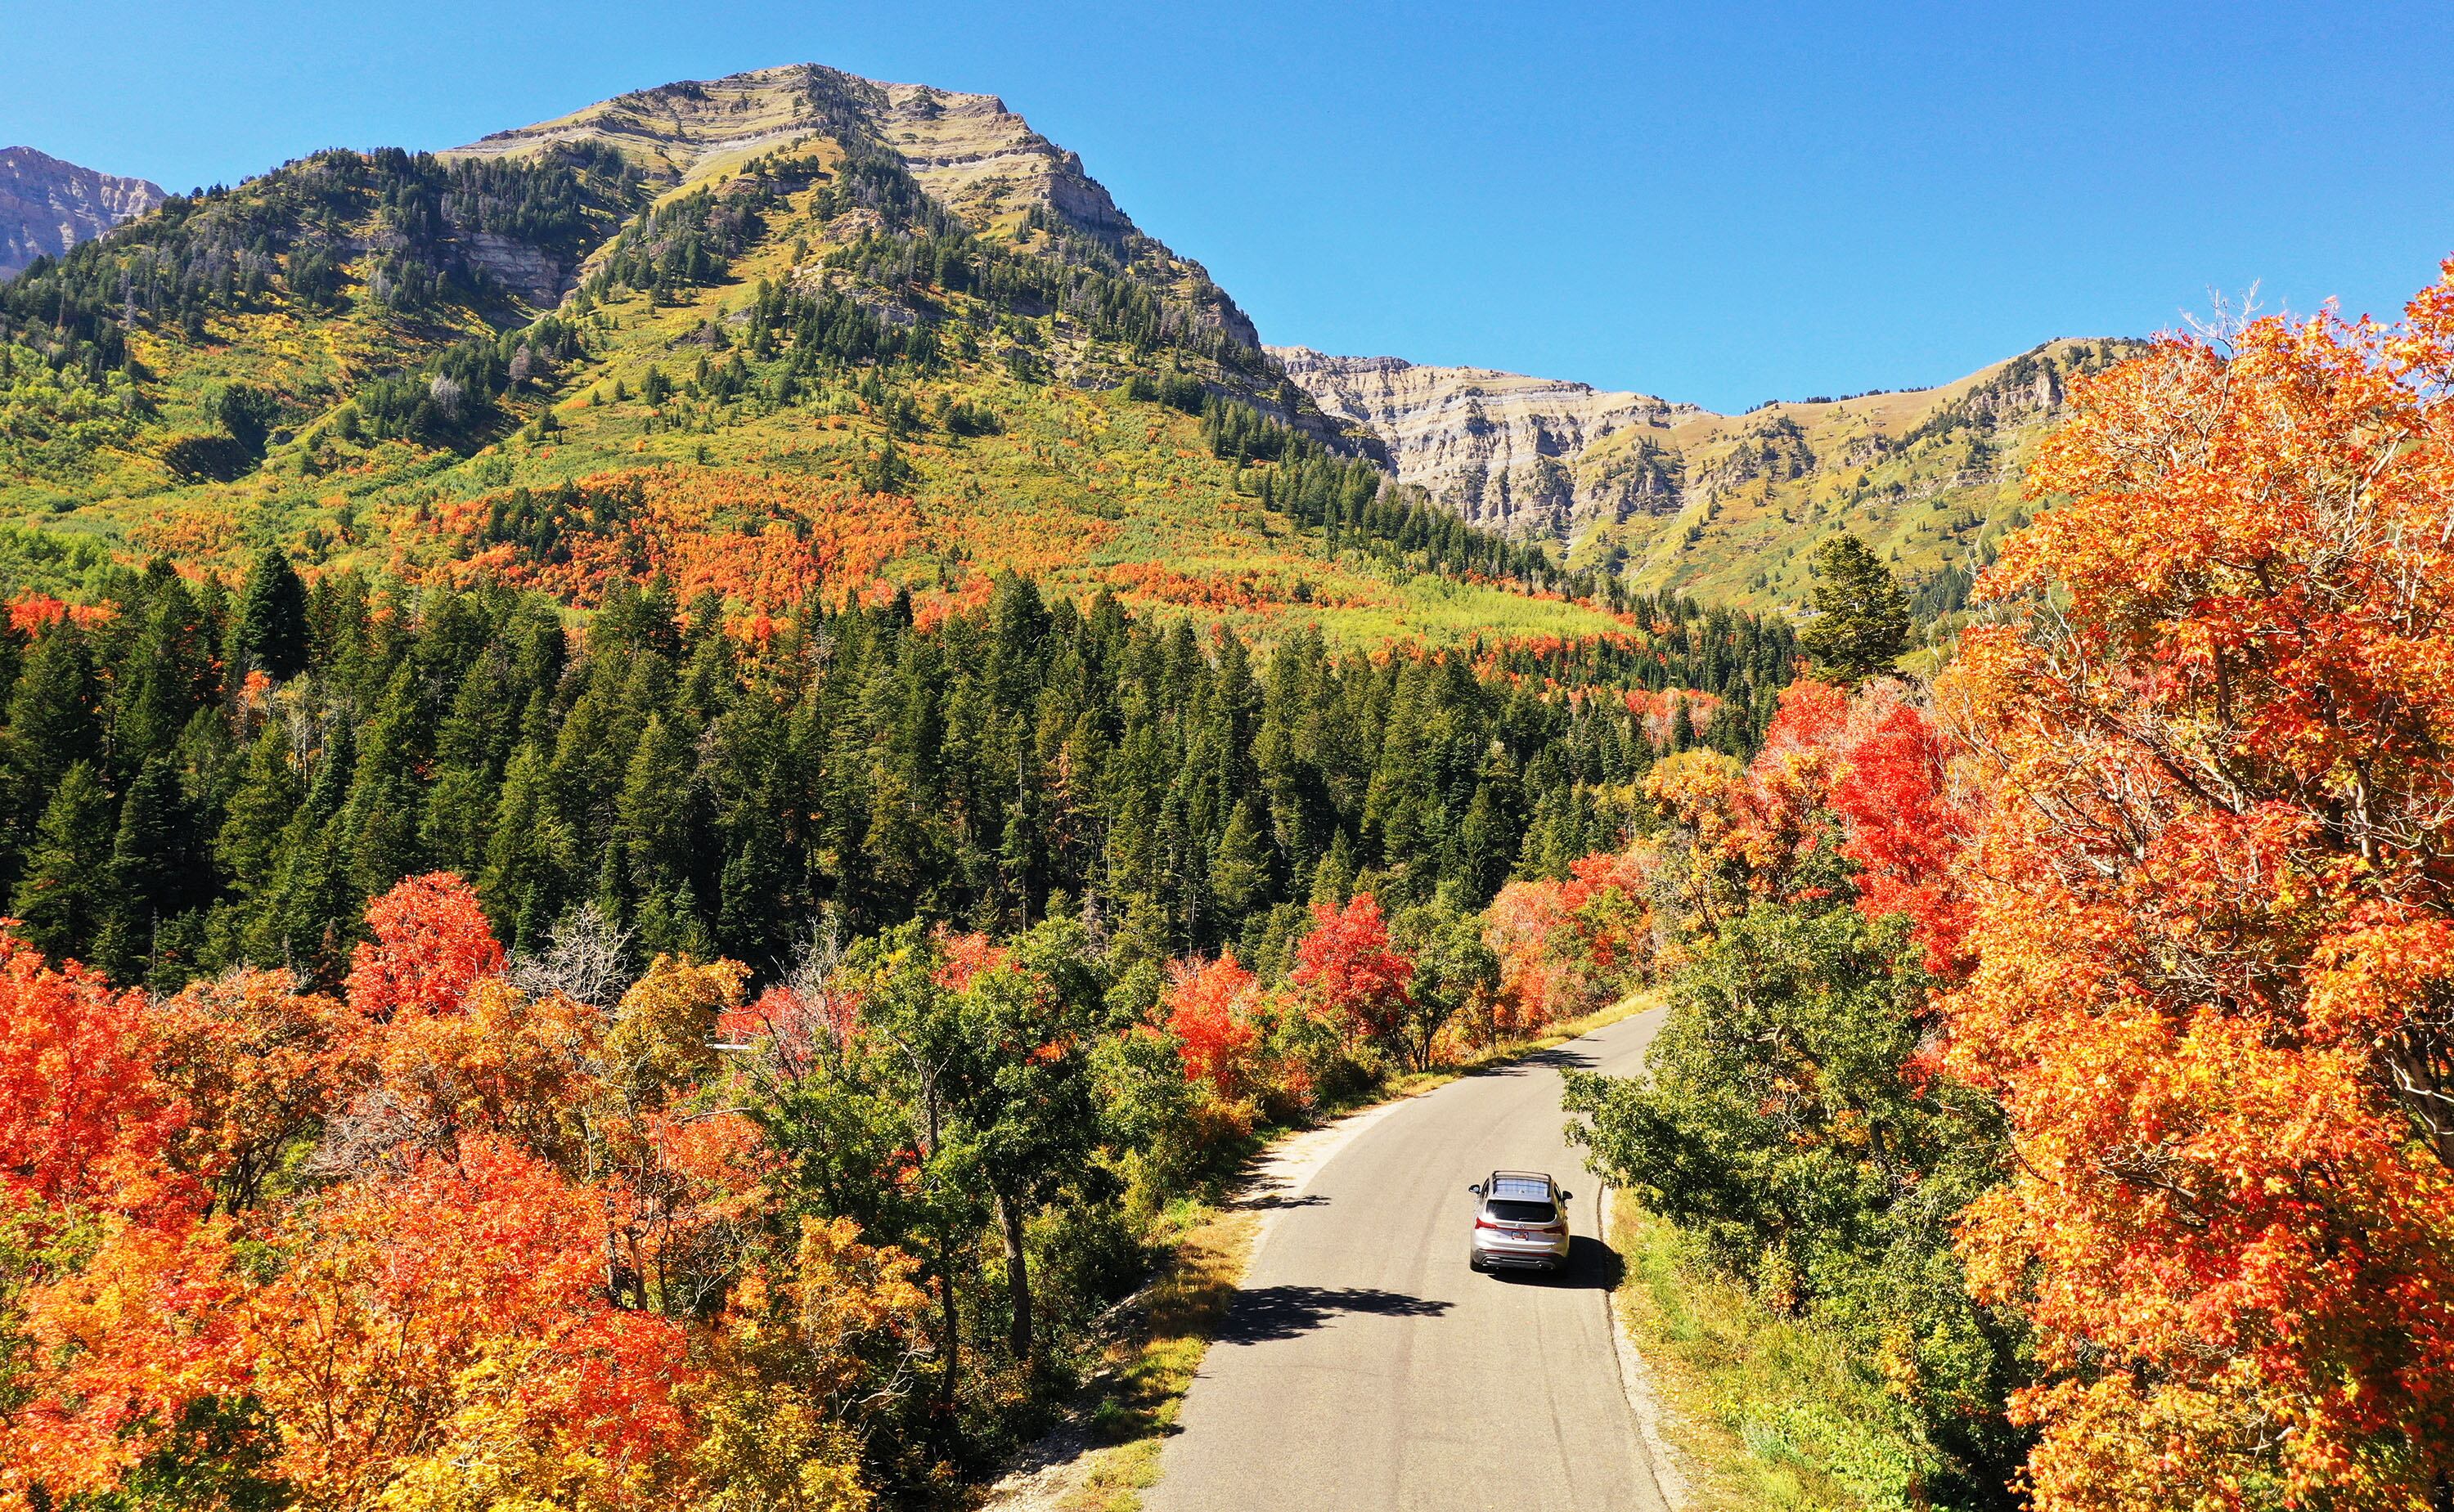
(1558, 1058)
(1267, 1313)
(1259, 1201)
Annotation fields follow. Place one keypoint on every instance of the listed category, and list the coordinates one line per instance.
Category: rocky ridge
(1727, 505)
(47, 206)
(968, 151)
(1499, 448)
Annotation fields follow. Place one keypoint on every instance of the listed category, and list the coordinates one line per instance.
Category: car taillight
(1485, 1223)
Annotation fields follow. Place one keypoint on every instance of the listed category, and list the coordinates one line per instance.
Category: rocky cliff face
(973, 155)
(1500, 449)
(47, 206)
(1726, 506)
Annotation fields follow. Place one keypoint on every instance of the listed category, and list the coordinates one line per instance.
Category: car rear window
(1510, 1212)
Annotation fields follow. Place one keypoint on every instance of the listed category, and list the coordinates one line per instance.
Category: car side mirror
(1565, 1196)
(1476, 1189)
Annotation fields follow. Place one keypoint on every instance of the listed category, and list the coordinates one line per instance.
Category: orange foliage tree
(1209, 1009)
(431, 942)
(84, 1115)
(1568, 947)
(533, 1266)
(2213, 923)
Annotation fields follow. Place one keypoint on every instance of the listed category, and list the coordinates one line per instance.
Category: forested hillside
(770, 372)
(197, 779)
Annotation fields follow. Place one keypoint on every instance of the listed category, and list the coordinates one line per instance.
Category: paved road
(1364, 1367)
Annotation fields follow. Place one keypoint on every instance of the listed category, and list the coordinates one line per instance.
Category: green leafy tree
(1452, 968)
(1782, 1124)
(1861, 618)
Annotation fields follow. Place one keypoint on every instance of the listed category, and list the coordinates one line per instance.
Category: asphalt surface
(1364, 1367)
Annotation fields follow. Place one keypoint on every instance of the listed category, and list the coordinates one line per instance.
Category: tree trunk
(953, 1330)
(1017, 1277)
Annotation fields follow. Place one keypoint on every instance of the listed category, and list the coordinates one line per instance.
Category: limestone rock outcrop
(47, 206)
(1500, 449)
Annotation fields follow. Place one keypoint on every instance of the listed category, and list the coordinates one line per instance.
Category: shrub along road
(1364, 1365)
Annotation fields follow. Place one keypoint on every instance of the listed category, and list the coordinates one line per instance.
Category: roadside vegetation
(751, 1118)
(2051, 1108)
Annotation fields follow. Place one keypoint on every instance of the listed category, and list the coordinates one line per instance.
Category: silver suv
(1522, 1220)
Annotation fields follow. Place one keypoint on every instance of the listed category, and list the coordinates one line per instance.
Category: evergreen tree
(268, 632)
(267, 798)
(170, 675)
(653, 826)
(1861, 618)
(66, 888)
(157, 869)
(529, 861)
(55, 710)
(1240, 873)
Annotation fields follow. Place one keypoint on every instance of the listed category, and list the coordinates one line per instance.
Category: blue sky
(1720, 203)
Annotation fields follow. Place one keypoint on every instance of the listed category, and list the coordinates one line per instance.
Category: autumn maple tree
(1209, 1009)
(2213, 921)
(1345, 963)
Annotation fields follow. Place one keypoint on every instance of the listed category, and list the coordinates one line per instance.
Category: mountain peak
(47, 206)
(974, 156)
(969, 152)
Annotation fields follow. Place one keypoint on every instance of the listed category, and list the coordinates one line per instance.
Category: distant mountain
(1724, 506)
(968, 151)
(1495, 446)
(795, 328)
(786, 332)
(47, 206)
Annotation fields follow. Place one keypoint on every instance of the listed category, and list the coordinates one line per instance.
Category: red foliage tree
(84, 1117)
(431, 942)
(1346, 964)
(1905, 831)
(2214, 924)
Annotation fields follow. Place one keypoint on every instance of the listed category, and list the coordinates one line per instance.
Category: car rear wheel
(1474, 1260)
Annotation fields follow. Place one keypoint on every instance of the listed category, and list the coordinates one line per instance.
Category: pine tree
(158, 869)
(66, 888)
(529, 861)
(652, 817)
(269, 632)
(55, 711)
(1333, 881)
(249, 842)
(167, 679)
(1240, 872)
(1861, 618)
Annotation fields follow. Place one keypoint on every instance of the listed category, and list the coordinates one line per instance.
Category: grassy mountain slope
(787, 332)
(1930, 478)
